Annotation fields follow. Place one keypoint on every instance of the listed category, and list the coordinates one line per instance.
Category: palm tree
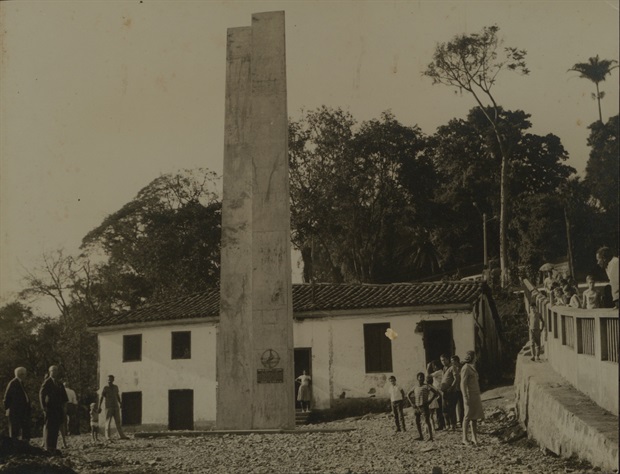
(596, 70)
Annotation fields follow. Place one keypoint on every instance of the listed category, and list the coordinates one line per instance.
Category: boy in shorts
(420, 403)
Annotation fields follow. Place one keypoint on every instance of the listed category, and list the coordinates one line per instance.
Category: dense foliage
(163, 242)
(602, 168)
(468, 182)
(359, 194)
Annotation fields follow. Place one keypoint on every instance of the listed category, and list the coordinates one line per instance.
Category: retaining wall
(561, 418)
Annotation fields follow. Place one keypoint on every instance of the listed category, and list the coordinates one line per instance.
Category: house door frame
(172, 411)
(436, 343)
(302, 361)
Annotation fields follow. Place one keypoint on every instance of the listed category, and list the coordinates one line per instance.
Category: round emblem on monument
(270, 359)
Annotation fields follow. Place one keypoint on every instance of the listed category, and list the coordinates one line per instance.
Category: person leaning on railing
(557, 296)
(570, 296)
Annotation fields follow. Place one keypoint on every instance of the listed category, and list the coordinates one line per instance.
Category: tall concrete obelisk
(255, 339)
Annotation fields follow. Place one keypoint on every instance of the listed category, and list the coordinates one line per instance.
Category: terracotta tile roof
(310, 298)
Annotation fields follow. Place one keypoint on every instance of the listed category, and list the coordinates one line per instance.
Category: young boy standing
(421, 402)
(397, 399)
(535, 324)
(591, 298)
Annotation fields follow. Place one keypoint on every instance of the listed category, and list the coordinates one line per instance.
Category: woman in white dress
(471, 398)
(303, 394)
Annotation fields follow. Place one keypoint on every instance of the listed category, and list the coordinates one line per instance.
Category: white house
(163, 356)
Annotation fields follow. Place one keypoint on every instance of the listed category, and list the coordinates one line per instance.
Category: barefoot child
(94, 422)
(421, 402)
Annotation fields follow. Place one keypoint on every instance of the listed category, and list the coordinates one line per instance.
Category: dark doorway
(131, 410)
(437, 339)
(180, 409)
(303, 361)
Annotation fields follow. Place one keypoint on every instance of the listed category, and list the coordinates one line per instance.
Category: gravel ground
(373, 447)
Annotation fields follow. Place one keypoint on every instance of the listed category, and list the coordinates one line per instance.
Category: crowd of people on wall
(446, 397)
(60, 409)
(562, 289)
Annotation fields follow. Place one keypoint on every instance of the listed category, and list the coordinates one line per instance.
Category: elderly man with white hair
(17, 406)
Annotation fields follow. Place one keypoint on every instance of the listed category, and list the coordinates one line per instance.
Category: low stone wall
(562, 419)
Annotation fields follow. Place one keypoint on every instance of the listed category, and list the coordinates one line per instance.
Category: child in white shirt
(397, 399)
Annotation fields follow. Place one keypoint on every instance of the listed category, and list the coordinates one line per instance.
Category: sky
(99, 98)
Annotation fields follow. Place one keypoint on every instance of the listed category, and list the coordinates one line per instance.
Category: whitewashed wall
(157, 372)
(338, 362)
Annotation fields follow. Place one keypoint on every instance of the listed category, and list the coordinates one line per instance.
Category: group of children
(564, 292)
(421, 397)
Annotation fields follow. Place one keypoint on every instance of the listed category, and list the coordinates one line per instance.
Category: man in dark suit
(17, 406)
(53, 398)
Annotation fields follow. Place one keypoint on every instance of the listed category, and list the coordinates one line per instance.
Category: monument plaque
(270, 376)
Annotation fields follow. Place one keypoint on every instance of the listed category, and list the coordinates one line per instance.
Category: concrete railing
(581, 345)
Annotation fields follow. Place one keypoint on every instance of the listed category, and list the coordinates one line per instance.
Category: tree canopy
(463, 152)
(356, 190)
(602, 176)
(163, 242)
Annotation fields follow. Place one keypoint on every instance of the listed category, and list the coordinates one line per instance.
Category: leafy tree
(602, 167)
(472, 63)
(316, 144)
(465, 156)
(22, 345)
(18, 343)
(596, 70)
(352, 192)
(163, 242)
(586, 227)
(538, 225)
